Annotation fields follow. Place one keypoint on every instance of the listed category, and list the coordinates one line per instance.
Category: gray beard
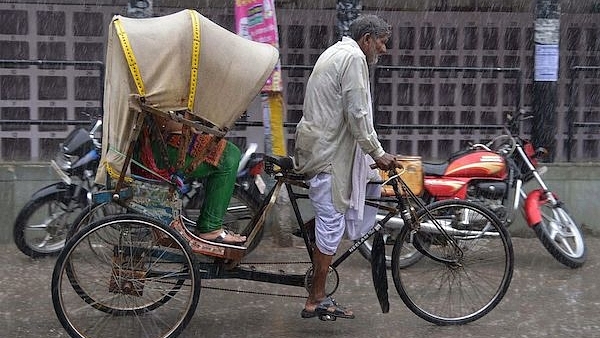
(374, 61)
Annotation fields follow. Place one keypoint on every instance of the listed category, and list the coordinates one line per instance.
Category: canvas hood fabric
(231, 72)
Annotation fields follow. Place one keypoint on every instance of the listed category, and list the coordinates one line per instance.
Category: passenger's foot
(222, 236)
(328, 309)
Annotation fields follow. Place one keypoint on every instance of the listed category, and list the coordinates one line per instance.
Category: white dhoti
(329, 223)
(359, 218)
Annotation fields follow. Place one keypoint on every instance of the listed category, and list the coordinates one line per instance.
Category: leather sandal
(328, 309)
(223, 237)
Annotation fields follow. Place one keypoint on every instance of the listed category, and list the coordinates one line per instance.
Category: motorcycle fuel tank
(477, 164)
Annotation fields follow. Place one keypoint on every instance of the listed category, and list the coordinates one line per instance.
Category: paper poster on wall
(546, 63)
(255, 20)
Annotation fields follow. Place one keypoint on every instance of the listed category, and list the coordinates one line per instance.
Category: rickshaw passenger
(220, 173)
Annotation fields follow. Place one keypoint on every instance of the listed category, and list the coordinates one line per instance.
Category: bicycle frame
(291, 180)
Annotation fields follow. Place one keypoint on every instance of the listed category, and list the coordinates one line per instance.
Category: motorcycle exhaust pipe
(397, 223)
(393, 223)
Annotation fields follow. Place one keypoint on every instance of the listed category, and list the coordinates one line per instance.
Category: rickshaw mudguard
(213, 75)
(379, 272)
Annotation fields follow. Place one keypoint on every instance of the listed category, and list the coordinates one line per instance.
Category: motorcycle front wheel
(561, 236)
(42, 225)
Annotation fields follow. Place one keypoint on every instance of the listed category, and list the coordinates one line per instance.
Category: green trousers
(220, 182)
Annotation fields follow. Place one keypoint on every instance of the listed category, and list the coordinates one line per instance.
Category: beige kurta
(337, 118)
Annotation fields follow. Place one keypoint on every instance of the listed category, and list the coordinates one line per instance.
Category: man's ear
(364, 39)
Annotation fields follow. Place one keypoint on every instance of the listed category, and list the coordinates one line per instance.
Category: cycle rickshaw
(139, 273)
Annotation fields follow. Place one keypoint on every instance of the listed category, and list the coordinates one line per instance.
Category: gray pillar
(347, 11)
(140, 9)
(546, 38)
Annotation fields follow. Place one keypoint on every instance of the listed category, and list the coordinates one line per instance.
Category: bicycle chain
(274, 263)
(251, 265)
(253, 292)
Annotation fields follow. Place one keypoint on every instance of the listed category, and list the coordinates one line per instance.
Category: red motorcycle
(493, 174)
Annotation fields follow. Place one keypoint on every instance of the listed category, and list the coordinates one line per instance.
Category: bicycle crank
(331, 284)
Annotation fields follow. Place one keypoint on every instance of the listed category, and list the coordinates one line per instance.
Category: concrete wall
(576, 184)
(17, 183)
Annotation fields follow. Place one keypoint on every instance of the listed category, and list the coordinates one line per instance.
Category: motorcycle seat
(434, 169)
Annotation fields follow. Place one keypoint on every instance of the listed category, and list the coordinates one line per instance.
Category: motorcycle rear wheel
(42, 224)
(93, 213)
(561, 236)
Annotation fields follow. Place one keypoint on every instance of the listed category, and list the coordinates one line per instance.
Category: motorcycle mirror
(96, 126)
(541, 152)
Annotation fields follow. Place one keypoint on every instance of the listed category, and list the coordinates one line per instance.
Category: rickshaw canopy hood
(154, 58)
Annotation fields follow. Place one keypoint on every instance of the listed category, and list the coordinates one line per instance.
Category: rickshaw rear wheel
(114, 278)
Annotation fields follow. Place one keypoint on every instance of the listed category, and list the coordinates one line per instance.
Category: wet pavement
(546, 299)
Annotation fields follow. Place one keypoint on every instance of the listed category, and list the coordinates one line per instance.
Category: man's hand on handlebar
(386, 162)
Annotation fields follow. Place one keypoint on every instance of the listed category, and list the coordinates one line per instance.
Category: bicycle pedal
(327, 317)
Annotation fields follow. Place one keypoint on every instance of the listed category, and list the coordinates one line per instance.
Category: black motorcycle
(47, 220)
(42, 224)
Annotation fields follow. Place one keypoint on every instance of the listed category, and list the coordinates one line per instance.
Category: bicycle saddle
(286, 163)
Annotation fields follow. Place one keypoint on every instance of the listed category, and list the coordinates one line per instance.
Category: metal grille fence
(436, 89)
